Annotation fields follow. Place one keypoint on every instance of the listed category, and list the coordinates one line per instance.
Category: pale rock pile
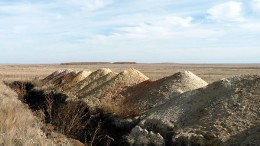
(110, 91)
(62, 78)
(51, 76)
(95, 84)
(155, 93)
(75, 79)
(89, 79)
(223, 113)
(129, 89)
(141, 137)
(58, 77)
(101, 84)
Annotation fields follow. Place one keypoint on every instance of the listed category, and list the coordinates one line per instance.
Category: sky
(147, 31)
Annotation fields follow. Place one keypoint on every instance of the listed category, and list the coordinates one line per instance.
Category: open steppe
(208, 72)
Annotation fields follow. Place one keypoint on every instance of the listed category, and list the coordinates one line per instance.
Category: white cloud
(178, 21)
(16, 9)
(256, 5)
(229, 11)
(89, 5)
(168, 28)
(19, 29)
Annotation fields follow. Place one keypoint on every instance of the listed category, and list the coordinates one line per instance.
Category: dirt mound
(95, 84)
(76, 79)
(92, 77)
(51, 76)
(68, 75)
(58, 76)
(223, 113)
(150, 94)
(111, 90)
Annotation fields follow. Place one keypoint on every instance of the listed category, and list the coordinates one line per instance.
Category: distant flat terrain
(208, 72)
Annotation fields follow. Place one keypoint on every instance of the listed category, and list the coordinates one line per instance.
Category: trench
(74, 119)
(71, 118)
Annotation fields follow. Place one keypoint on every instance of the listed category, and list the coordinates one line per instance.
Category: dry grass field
(208, 72)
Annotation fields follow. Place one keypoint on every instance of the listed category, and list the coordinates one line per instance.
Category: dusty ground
(208, 72)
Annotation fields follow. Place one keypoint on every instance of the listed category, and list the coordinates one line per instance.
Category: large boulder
(142, 137)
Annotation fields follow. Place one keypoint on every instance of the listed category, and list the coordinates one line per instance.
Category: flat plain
(208, 72)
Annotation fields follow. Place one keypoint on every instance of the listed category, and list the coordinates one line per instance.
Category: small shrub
(119, 110)
(71, 118)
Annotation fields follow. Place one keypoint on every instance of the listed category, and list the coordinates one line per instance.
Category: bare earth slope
(57, 77)
(63, 79)
(223, 113)
(95, 84)
(75, 79)
(51, 76)
(110, 90)
(92, 77)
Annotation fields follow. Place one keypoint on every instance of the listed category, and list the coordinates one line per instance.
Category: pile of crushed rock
(129, 89)
(181, 109)
(153, 93)
(225, 112)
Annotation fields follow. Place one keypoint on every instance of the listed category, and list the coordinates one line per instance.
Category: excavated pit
(71, 118)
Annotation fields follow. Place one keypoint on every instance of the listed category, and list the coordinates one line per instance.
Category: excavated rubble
(154, 93)
(181, 109)
(225, 112)
(89, 79)
(75, 79)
